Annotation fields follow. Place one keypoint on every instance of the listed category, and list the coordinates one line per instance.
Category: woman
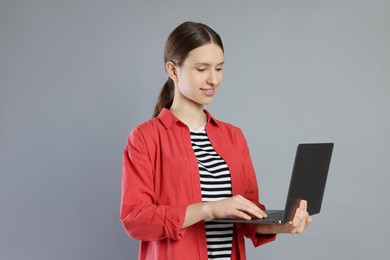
(183, 168)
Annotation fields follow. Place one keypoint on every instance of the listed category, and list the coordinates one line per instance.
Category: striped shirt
(215, 185)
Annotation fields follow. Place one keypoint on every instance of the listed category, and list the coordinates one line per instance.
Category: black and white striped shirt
(215, 185)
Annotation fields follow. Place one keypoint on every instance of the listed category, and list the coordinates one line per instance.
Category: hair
(183, 39)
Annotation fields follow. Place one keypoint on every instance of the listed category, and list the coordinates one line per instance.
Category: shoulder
(228, 131)
(221, 125)
(228, 128)
(144, 131)
(226, 125)
(148, 126)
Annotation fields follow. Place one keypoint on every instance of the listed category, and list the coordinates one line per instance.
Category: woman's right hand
(236, 206)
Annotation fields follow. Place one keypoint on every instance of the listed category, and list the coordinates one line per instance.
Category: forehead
(209, 53)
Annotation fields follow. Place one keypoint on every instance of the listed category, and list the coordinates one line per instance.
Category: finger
(299, 221)
(301, 210)
(308, 220)
(296, 220)
(304, 221)
(248, 206)
(303, 204)
(294, 227)
(302, 225)
(303, 217)
(241, 214)
(306, 217)
(252, 211)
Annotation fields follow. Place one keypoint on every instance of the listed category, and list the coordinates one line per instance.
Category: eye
(219, 69)
(201, 69)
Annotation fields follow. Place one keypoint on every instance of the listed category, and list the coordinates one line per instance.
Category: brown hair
(183, 39)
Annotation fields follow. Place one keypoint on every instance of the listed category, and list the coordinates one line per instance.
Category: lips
(208, 92)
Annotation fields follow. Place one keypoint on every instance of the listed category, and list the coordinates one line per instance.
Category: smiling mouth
(208, 91)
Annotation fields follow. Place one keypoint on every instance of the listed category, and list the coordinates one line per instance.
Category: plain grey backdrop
(77, 76)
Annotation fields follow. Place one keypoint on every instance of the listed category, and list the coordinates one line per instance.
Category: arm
(140, 214)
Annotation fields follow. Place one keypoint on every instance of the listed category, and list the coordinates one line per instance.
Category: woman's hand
(300, 221)
(236, 206)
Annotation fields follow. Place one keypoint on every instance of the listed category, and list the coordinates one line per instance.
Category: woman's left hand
(300, 221)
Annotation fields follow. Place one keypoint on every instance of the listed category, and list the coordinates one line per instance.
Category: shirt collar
(168, 119)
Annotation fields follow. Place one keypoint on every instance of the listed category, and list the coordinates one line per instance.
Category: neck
(192, 116)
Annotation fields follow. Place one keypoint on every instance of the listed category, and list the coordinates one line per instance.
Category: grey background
(77, 76)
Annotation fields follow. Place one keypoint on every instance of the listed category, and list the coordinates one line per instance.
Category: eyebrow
(207, 64)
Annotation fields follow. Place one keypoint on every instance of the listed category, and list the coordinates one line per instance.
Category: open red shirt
(161, 178)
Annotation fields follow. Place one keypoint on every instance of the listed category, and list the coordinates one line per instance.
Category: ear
(171, 70)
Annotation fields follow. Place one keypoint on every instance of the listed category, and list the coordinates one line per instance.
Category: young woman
(184, 168)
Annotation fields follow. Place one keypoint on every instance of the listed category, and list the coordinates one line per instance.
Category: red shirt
(161, 177)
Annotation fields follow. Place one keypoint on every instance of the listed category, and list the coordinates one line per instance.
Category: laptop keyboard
(278, 214)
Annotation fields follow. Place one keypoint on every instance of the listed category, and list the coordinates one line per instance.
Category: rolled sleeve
(174, 221)
(141, 216)
(257, 239)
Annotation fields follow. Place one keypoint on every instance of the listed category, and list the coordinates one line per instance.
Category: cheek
(196, 80)
(220, 76)
(185, 81)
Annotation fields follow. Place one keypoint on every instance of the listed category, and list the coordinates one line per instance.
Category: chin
(207, 102)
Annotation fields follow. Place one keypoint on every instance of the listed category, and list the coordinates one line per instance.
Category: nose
(213, 78)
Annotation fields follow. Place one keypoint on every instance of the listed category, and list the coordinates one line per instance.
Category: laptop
(307, 182)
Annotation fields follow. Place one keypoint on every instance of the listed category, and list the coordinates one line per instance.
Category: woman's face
(200, 75)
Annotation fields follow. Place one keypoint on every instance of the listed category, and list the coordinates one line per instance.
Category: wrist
(269, 229)
(263, 229)
(206, 210)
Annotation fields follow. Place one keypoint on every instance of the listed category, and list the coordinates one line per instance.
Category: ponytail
(165, 98)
